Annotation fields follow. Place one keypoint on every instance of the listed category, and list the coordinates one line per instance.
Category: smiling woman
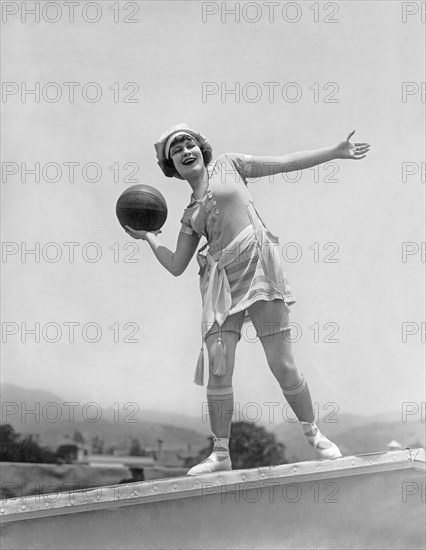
(241, 275)
(180, 134)
(184, 152)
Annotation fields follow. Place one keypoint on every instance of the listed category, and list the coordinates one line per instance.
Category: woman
(241, 275)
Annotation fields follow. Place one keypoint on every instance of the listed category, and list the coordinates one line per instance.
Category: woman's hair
(206, 152)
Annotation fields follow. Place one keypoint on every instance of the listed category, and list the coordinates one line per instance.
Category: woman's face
(187, 157)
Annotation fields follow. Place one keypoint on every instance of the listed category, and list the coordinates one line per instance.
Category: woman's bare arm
(175, 262)
(259, 166)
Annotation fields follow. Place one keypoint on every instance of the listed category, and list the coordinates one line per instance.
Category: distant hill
(354, 434)
(57, 420)
(17, 394)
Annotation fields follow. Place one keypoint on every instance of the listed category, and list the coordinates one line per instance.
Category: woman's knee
(282, 365)
(280, 358)
(221, 352)
(221, 380)
(284, 368)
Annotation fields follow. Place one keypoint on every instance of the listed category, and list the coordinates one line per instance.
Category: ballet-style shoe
(211, 464)
(324, 448)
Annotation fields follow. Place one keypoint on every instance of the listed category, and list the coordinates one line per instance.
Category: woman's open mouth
(189, 161)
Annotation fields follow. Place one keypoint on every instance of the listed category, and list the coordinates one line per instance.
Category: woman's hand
(141, 234)
(353, 151)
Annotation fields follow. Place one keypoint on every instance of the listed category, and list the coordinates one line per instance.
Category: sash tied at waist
(217, 299)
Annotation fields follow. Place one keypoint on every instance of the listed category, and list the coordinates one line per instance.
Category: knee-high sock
(220, 403)
(299, 399)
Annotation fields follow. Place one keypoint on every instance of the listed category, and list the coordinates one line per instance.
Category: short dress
(238, 244)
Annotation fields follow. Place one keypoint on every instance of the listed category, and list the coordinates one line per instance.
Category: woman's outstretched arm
(175, 262)
(259, 166)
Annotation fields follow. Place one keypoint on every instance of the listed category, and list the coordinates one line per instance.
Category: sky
(113, 326)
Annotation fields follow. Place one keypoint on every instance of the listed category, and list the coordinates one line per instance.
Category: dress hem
(289, 301)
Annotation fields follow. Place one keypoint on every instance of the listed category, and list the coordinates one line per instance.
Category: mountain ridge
(355, 434)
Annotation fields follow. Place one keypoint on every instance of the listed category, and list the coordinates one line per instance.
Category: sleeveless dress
(240, 263)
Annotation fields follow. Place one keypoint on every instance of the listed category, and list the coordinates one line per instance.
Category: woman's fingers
(132, 232)
(355, 151)
(139, 234)
(362, 149)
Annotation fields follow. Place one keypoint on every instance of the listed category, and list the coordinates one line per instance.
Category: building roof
(128, 461)
(394, 444)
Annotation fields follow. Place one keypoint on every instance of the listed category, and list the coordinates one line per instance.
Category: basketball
(142, 207)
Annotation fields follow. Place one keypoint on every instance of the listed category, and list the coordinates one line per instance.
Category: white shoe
(211, 464)
(324, 448)
(330, 452)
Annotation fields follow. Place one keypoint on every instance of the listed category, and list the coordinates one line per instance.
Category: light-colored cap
(171, 138)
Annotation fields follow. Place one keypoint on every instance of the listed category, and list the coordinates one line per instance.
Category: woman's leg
(220, 395)
(271, 321)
